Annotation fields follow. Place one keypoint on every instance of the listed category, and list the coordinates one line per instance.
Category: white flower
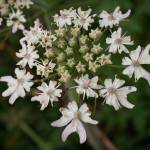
(104, 59)
(65, 76)
(88, 57)
(71, 62)
(48, 93)
(45, 68)
(1, 20)
(4, 8)
(18, 86)
(16, 20)
(25, 3)
(73, 118)
(84, 19)
(46, 39)
(65, 17)
(134, 63)
(116, 95)
(117, 42)
(28, 55)
(110, 19)
(20, 3)
(80, 67)
(95, 34)
(87, 86)
(96, 49)
(33, 35)
(93, 66)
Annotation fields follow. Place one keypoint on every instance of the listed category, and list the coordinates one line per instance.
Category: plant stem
(28, 131)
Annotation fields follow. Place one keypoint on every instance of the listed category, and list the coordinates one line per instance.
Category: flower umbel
(72, 57)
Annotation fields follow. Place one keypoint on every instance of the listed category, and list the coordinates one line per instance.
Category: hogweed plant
(69, 57)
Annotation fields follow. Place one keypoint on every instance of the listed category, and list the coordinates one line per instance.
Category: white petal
(126, 61)
(91, 93)
(108, 83)
(72, 127)
(146, 75)
(113, 101)
(138, 72)
(145, 55)
(93, 83)
(7, 79)
(84, 108)
(129, 71)
(9, 91)
(61, 122)
(86, 118)
(13, 98)
(102, 92)
(73, 106)
(124, 102)
(127, 89)
(118, 83)
(81, 131)
(136, 53)
(43, 87)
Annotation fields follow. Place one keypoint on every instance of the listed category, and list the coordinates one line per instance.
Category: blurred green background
(23, 126)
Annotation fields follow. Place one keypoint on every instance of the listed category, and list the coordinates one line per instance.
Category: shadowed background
(23, 126)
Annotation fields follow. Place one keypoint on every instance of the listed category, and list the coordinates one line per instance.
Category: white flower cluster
(11, 12)
(75, 51)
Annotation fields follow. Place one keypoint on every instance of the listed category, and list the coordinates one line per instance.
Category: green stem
(116, 66)
(95, 104)
(28, 131)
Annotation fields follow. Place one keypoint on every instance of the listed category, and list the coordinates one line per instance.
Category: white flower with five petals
(87, 86)
(84, 19)
(116, 95)
(117, 42)
(32, 36)
(18, 86)
(16, 20)
(72, 116)
(65, 17)
(134, 63)
(28, 55)
(110, 19)
(48, 93)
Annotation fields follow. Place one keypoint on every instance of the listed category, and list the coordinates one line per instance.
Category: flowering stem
(95, 104)
(27, 130)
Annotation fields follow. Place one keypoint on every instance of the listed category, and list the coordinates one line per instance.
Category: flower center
(118, 41)
(111, 90)
(135, 63)
(49, 92)
(14, 19)
(63, 16)
(110, 17)
(86, 85)
(77, 115)
(20, 81)
(82, 20)
(27, 56)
